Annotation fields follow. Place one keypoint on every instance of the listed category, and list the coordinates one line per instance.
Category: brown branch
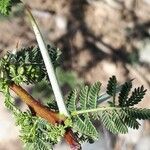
(46, 113)
(71, 138)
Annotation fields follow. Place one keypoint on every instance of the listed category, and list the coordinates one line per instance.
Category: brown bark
(46, 113)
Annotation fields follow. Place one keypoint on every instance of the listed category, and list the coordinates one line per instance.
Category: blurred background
(98, 39)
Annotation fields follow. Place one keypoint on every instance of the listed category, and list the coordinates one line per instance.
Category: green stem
(92, 110)
(114, 96)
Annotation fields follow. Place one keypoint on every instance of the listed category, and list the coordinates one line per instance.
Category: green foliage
(112, 121)
(135, 97)
(37, 133)
(84, 126)
(111, 87)
(83, 106)
(123, 96)
(4, 88)
(93, 95)
(27, 66)
(87, 99)
(6, 5)
(138, 113)
(38, 145)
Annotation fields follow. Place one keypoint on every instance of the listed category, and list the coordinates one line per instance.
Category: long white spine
(49, 66)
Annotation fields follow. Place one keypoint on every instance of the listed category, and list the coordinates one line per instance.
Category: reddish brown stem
(40, 110)
(69, 135)
(47, 114)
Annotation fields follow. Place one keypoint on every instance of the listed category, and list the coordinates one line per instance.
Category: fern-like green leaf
(90, 127)
(136, 96)
(86, 98)
(71, 100)
(38, 132)
(116, 118)
(5, 5)
(85, 126)
(93, 95)
(111, 86)
(108, 122)
(138, 113)
(123, 95)
(129, 120)
(83, 96)
(27, 65)
(112, 120)
(119, 122)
